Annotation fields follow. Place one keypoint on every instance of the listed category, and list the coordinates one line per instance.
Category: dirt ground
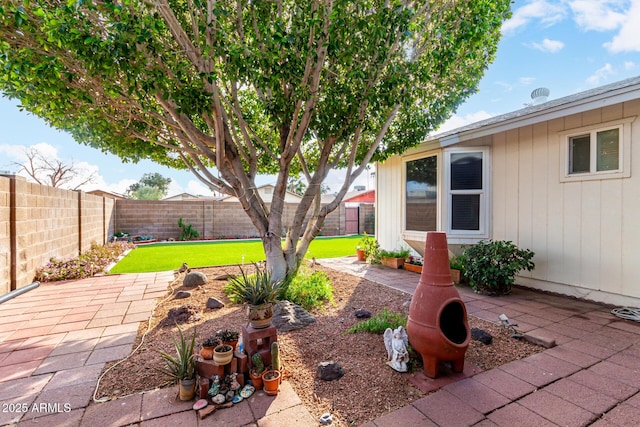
(369, 387)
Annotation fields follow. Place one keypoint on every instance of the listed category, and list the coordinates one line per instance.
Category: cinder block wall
(47, 223)
(5, 239)
(159, 219)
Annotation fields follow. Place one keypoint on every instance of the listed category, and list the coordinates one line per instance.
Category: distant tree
(234, 88)
(152, 186)
(54, 172)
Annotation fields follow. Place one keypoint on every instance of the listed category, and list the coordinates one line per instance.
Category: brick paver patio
(56, 339)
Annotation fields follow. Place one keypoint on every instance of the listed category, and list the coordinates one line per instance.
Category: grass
(380, 322)
(170, 256)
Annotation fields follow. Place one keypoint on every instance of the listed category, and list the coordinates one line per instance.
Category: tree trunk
(276, 263)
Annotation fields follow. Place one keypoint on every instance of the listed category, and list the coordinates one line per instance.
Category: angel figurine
(396, 342)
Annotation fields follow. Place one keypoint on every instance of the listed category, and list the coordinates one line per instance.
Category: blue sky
(567, 46)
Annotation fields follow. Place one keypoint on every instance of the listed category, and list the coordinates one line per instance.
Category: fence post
(13, 238)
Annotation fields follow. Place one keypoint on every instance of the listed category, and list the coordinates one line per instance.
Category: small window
(595, 152)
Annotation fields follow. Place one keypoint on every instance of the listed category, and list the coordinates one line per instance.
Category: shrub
(188, 232)
(253, 289)
(87, 264)
(491, 266)
(309, 290)
(380, 322)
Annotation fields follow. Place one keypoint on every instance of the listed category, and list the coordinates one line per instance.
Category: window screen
(579, 154)
(607, 150)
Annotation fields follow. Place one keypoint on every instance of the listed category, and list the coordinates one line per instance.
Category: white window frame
(405, 160)
(469, 236)
(624, 151)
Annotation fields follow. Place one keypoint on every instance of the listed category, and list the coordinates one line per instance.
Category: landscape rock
(329, 371)
(288, 316)
(214, 303)
(193, 279)
(362, 314)
(481, 335)
(182, 294)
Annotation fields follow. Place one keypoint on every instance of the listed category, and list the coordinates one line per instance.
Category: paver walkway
(592, 376)
(55, 340)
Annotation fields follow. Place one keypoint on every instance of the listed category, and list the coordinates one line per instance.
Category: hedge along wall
(41, 222)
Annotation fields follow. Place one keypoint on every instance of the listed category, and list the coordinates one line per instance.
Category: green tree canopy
(230, 89)
(152, 186)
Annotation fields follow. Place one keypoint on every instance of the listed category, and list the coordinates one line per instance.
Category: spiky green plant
(258, 366)
(275, 356)
(254, 289)
(182, 366)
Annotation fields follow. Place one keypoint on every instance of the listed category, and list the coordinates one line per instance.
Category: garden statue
(396, 342)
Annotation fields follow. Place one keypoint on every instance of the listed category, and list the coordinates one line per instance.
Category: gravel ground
(369, 387)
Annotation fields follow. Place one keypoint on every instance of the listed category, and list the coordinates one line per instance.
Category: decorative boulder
(195, 278)
(362, 314)
(214, 303)
(329, 371)
(288, 316)
(481, 335)
(182, 294)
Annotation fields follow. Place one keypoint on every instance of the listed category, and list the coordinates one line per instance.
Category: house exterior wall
(585, 234)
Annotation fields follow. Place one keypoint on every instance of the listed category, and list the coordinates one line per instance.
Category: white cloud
(527, 80)
(456, 121)
(548, 45)
(601, 74)
(548, 13)
(598, 15)
(627, 39)
(198, 189)
(629, 65)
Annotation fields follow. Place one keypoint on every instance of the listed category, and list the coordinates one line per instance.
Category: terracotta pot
(222, 356)
(187, 389)
(256, 379)
(392, 262)
(413, 267)
(206, 352)
(455, 276)
(438, 326)
(360, 254)
(260, 315)
(271, 382)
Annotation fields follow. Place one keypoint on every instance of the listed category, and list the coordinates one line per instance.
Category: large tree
(152, 186)
(231, 89)
(46, 170)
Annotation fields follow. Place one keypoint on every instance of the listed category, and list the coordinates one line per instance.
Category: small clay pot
(271, 382)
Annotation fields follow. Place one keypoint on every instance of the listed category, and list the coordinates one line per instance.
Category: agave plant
(182, 366)
(253, 289)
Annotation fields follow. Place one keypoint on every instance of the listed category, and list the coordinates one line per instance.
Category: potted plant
(395, 258)
(207, 347)
(456, 266)
(257, 368)
(360, 247)
(413, 263)
(259, 291)
(370, 248)
(271, 382)
(223, 354)
(181, 368)
(228, 337)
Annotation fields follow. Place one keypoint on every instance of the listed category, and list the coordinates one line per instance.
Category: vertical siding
(390, 212)
(584, 233)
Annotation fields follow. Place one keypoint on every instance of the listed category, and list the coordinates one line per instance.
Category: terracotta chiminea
(438, 327)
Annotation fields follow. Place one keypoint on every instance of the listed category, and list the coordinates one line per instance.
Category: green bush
(309, 290)
(491, 266)
(396, 253)
(371, 248)
(188, 232)
(379, 323)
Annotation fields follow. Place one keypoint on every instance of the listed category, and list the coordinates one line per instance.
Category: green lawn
(170, 256)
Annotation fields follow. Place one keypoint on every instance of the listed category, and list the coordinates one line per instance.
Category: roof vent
(539, 95)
